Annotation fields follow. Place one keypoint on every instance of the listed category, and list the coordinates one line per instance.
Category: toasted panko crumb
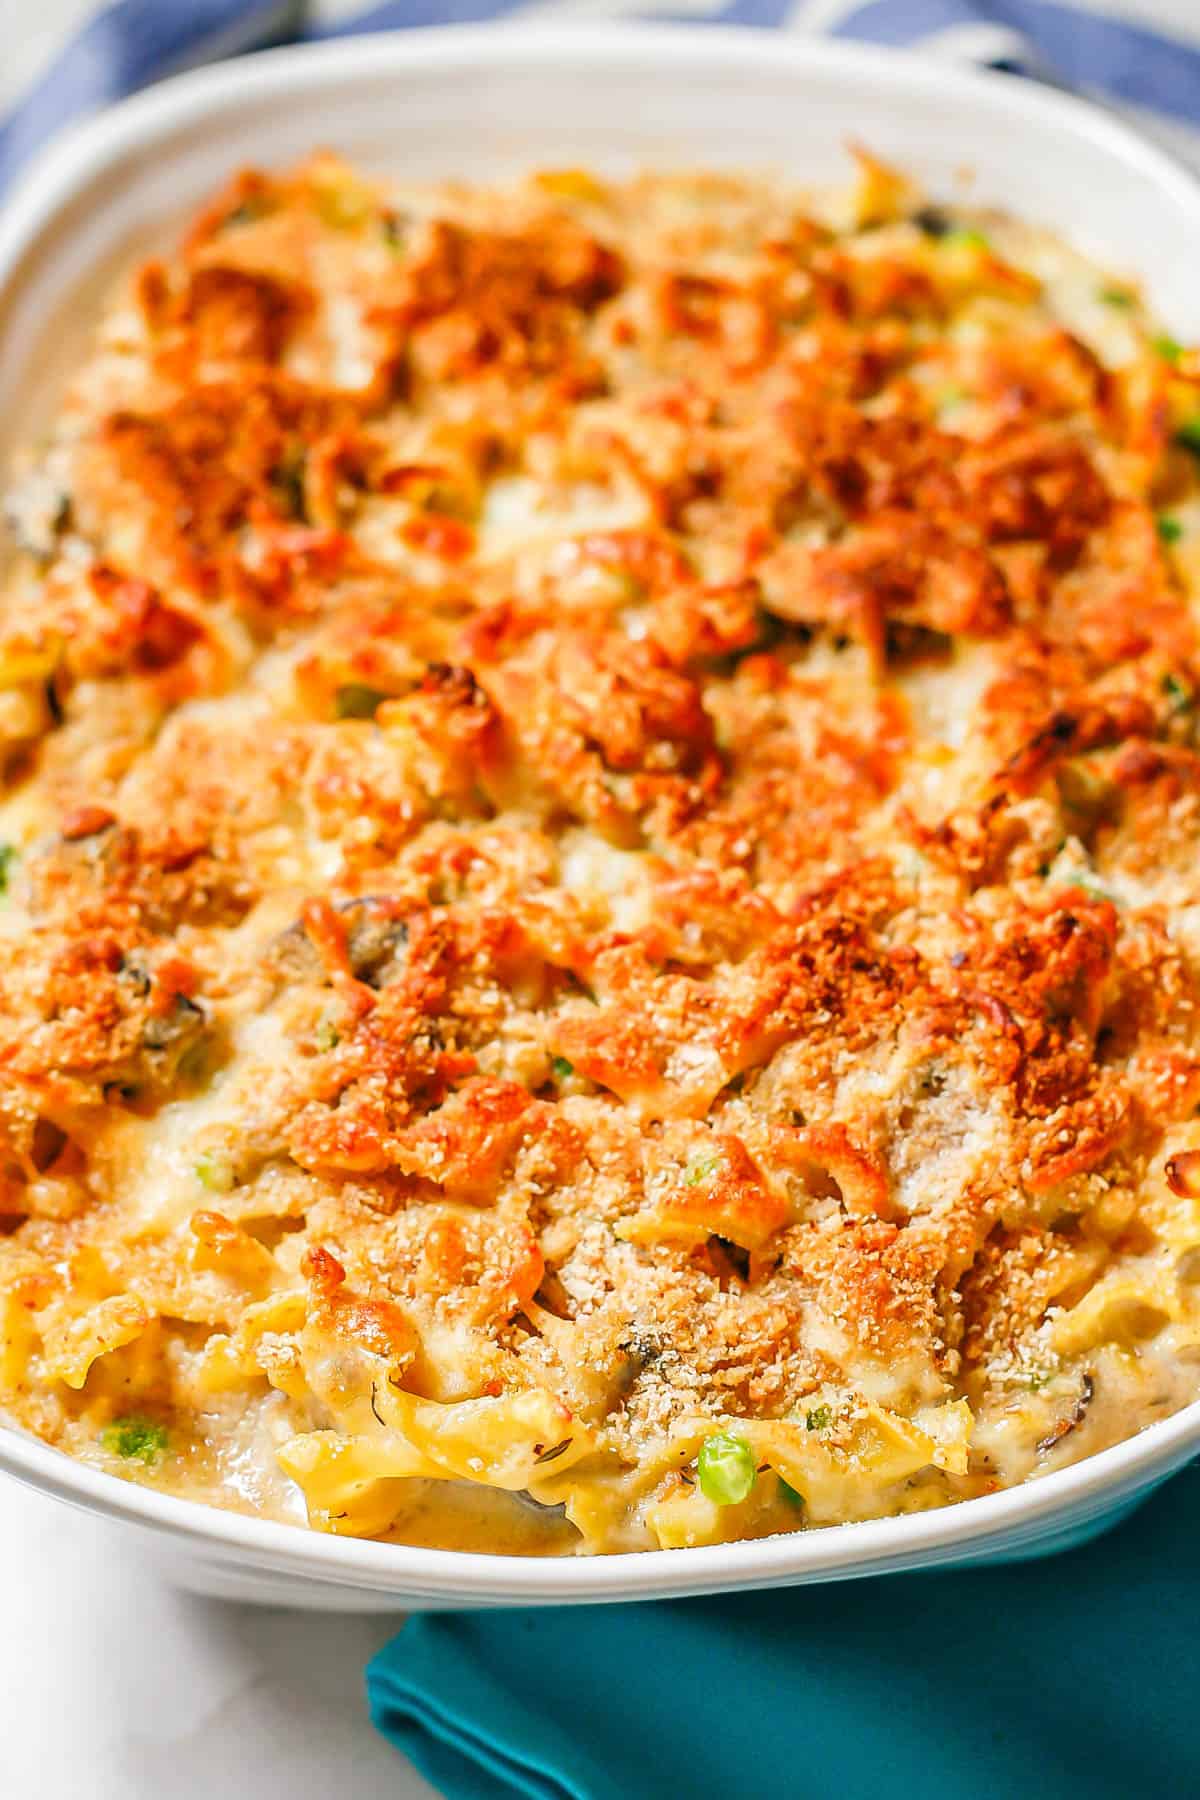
(602, 800)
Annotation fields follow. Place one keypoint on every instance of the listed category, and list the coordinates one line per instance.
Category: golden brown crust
(608, 795)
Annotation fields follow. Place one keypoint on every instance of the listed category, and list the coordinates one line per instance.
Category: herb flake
(968, 237)
(215, 1172)
(1179, 692)
(1187, 435)
(699, 1169)
(355, 700)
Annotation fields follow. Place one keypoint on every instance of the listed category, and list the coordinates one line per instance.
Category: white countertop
(114, 1686)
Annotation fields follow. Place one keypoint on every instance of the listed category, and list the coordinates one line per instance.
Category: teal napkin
(1073, 1678)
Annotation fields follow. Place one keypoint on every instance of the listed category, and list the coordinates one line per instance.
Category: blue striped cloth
(1148, 70)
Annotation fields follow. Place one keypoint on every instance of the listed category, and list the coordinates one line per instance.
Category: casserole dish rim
(74, 170)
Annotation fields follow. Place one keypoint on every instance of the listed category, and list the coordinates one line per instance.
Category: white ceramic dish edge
(1078, 170)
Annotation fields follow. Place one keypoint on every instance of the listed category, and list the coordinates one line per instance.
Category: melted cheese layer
(600, 834)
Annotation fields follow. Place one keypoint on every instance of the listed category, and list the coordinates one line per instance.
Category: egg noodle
(601, 933)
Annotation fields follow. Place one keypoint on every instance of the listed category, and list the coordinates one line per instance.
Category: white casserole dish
(480, 103)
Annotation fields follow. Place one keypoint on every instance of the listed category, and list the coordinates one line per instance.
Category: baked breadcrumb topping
(601, 825)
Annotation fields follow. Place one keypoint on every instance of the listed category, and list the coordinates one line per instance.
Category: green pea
(726, 1468)
(134, 1439)
(1169, 530)
(561, 1068)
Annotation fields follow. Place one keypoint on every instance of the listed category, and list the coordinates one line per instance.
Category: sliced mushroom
(375, 940)
(1087, 1390)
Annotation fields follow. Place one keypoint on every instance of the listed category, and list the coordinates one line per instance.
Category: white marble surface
(114, 1686)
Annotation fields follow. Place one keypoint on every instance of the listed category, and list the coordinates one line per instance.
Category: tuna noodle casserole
(602, 859)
